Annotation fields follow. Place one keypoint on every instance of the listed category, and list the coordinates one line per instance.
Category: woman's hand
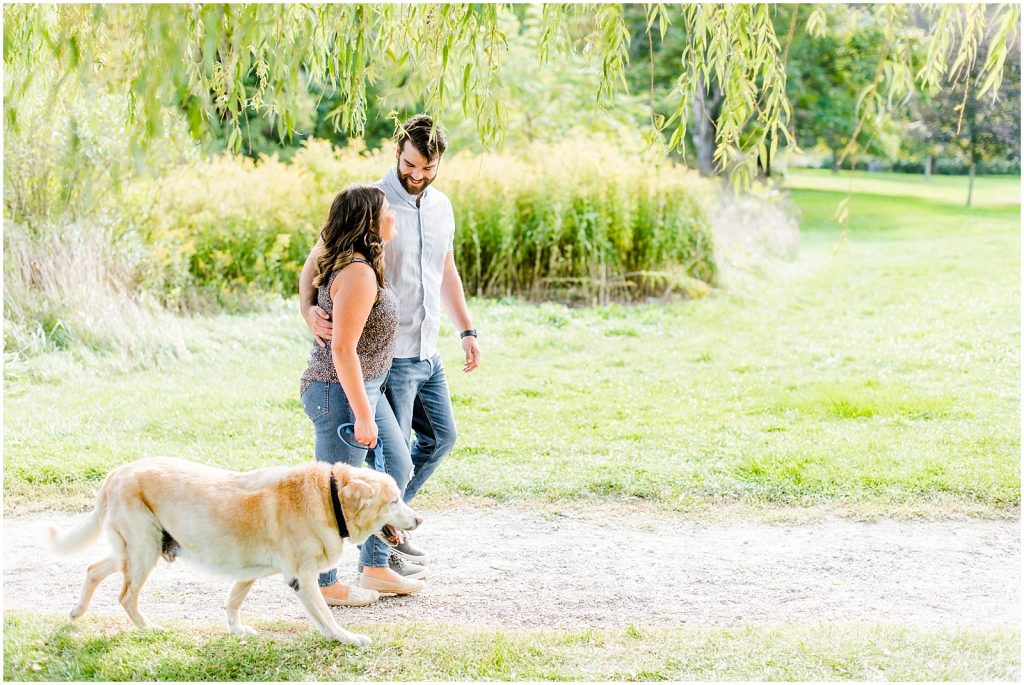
(366, 432)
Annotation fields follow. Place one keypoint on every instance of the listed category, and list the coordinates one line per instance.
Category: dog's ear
(356, 494)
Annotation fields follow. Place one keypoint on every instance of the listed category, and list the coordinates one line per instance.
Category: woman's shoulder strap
(354, 260)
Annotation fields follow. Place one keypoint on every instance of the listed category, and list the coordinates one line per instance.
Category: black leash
(336, 503)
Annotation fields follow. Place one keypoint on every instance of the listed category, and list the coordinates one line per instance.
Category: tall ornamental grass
(567, 220)
(228, 232)
(97, 250)
(578, 219)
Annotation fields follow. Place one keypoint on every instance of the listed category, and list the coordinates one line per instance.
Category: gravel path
(509, 567)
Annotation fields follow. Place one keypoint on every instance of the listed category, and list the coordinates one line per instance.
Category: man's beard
(406, 181)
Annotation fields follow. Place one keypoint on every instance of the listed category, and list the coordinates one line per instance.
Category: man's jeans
(327, 407)
(417, 392)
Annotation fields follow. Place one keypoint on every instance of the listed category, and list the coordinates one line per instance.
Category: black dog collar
(336, 503)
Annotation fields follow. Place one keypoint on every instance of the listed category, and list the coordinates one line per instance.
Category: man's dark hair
(417, 130)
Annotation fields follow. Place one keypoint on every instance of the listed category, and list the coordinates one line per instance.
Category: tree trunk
(835, 160)
(971, 122)
(765, 170)
(705, 127)
(970, 183)
(928, 167)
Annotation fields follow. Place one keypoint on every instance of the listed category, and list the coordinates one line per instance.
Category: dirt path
(513, 567)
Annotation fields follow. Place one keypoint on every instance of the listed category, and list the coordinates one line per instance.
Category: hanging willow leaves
(222, 62)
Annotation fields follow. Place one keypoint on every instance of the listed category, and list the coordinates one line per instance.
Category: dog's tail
(86, 532)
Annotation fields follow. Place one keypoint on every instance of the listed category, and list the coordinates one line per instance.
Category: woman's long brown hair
(353, 225)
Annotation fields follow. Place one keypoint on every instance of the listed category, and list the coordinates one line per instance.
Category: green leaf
(816, 22)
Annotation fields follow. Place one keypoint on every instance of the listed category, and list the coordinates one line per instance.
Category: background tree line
(953, 131)
(728, 83)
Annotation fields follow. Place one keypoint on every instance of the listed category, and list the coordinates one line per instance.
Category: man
(420, 268)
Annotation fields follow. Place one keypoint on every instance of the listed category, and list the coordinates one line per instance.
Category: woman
(344, 382)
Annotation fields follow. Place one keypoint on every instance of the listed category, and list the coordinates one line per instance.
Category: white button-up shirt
(414, 263)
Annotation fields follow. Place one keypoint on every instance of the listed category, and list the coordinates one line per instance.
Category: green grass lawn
(988, 190)
(882, 379)
(879, 380)
(102, 649)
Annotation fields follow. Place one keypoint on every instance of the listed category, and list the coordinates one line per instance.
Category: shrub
(561, 219)
(92, 262)
(232, 231)
(70, 262)
(578, 218)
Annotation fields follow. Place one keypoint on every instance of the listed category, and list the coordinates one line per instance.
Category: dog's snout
(418, 519)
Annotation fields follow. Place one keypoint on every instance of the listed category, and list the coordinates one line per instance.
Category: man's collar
(391, 178)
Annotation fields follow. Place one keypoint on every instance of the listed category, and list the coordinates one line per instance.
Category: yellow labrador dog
(287, 520)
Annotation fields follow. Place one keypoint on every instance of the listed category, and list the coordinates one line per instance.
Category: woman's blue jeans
(327, 407)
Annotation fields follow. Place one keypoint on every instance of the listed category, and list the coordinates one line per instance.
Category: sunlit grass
(988, 190)
(96, 648)
(884, 377)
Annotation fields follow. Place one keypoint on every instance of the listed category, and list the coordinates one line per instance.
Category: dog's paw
(355, 639)
(241, 629)
(360, 640)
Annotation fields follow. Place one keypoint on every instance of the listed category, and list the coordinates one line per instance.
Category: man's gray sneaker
(410, 552)
(403, 568)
